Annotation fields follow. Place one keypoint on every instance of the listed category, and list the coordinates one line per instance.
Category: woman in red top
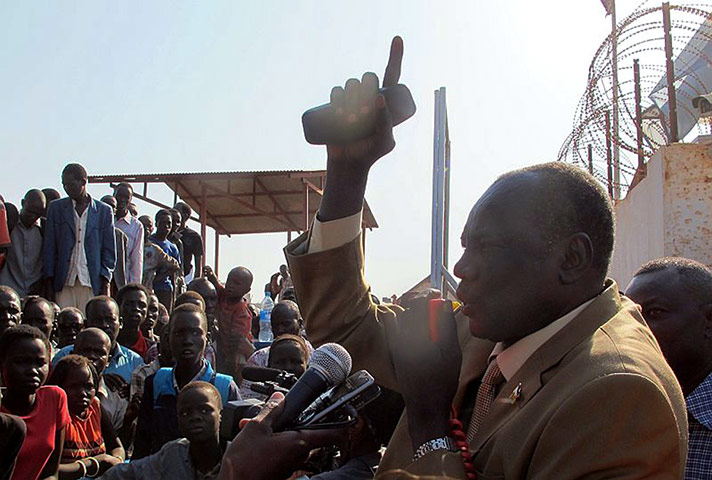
(91, 434)
(24, 363)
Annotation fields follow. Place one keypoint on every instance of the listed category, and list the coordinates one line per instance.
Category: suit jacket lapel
(92, 214)
(522, 387)
(68, 214)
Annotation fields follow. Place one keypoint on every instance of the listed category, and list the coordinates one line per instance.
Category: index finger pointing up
(393, 69)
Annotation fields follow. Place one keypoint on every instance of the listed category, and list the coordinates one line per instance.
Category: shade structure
(237, 203)
(242, 202)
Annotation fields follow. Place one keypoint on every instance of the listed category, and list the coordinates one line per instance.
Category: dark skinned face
(33, 208)
(188, 338)
(105, 316)
(237, 285)
(151, 313)
(209, 294)
(508, 277)
(80, 389)
(69, 325)
(123, 197)
(284, 322)
(40, 316)
(676, 317)
(110, 201)
(176, 220)
(164, 224)
(25, 366)
(96, 348)
(134, 307)
(147, 223)
(288, 356)
(10, 312)
(198, 415)
(75, 187)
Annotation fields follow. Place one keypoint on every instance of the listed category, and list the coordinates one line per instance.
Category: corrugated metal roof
(242, 202)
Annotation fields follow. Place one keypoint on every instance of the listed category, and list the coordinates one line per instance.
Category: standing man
(552, 373)
(79, 244)
(675, 296)
(23, 269)
(192, 244)
(163, 285)
(127, 223)
(118, 280)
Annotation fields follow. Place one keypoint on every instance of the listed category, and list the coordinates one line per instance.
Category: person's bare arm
(51, 468)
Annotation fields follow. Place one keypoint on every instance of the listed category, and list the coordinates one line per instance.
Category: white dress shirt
(78, 267)
(134, 254)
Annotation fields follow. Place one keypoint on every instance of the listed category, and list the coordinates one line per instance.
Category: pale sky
(177, 86)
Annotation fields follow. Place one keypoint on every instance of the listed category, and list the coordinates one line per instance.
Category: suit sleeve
(625, 436)
(49, 246)
(108, 244)
(334, 299)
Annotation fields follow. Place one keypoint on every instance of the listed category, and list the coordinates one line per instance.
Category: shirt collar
(699, 402)
(119, 353)
(74, 202)
(201, 373)
(126, 218)
(511, 359)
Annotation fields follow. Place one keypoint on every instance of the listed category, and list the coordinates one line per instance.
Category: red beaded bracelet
(458, 434)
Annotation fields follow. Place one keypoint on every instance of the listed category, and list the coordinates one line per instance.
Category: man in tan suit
(582, 389)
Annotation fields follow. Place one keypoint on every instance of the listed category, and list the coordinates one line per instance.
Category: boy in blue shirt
(157, 421)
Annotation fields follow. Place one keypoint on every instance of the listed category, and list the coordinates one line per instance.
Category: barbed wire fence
(640, 37)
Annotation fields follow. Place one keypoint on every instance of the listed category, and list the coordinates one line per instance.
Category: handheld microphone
(321, 125)
(330, 365)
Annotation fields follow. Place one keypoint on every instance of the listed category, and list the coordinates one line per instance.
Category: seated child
(286, 319)
(90, 435)
(289, 353)
(24, 364)
(70, 322)
(157, 422)
(198, 455)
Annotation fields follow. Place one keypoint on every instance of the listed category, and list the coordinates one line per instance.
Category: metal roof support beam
(277, 206)
(248, 205)
(306, 207)
(217, 253)
(204, 221)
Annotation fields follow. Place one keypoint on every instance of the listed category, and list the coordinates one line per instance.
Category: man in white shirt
(127, 223)
(79, 244)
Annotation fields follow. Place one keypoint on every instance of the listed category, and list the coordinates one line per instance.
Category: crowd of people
(109, 328)
(118, 352)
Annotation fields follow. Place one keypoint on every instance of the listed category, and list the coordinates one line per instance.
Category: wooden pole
(204, 221)
(670, 74)
(216, 268)
(306, 207)
(590, 159)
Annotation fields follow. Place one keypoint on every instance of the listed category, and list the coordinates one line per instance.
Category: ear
(706, 310)
(577, 257)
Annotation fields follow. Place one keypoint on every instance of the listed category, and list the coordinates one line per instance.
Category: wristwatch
(442, 443)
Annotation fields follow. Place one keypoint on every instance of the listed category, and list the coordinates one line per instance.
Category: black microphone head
(260, 374)
(333, 361)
